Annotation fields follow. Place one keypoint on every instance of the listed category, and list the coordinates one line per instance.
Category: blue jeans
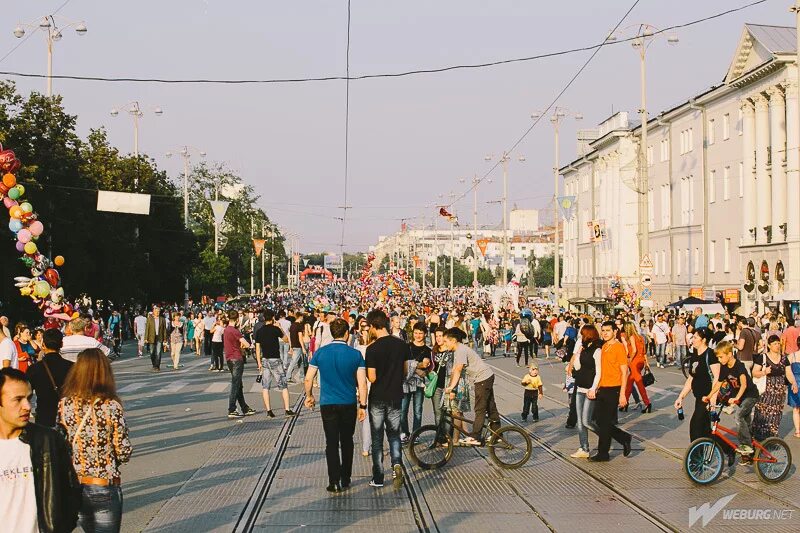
(297, 354)
(101, 509)
(680, 353)
(237, 393)
(284, 351)
(417, 397)
(585, 408)
(384, 416)
(661, 353)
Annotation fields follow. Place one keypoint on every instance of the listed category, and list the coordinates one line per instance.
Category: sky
(413, 141)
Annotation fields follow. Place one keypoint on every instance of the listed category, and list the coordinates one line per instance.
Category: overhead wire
(346, 132)
(586, 64)
(414, 72)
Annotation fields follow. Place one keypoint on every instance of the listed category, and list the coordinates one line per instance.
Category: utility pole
(252, 256)
(263, 233)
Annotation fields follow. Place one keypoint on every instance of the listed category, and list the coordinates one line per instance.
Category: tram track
(644, 440)
(248, 518)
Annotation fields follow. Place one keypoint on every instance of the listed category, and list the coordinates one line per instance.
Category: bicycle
(704, 460)
(431, 446)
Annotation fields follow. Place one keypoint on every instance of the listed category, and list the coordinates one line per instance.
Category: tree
(485, 276)
(210, 276)
(544, 271)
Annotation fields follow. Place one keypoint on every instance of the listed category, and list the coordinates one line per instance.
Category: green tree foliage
(121, 256)
(543, 272)
(485, 276)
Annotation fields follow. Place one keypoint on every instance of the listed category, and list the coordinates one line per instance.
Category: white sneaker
(744, 449)
(469, 441)
(580, 454)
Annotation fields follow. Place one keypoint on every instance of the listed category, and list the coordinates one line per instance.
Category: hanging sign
(482, 246)
(258, 245)
(219, 207)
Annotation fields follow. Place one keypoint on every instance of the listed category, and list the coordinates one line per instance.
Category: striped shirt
(75, 344)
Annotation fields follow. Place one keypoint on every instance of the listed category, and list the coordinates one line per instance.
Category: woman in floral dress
(92, 414)
(776, 368)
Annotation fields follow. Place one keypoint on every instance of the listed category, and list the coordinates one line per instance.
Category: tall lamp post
(475, 182)
(559, 114)
(136, 112)
(185, 153)
(644, 35)
(54, 33)
(504, 159)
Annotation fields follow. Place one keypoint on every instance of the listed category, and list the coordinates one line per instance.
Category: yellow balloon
(21, 189)
(30, 248)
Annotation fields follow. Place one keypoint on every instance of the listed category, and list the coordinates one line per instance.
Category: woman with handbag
(637, 362)
(92, 414)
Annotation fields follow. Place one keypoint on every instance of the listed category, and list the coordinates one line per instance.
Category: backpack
(526, 328)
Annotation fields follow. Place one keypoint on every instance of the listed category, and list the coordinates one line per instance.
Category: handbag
(761, 384)
(430, 385)
(647, 377)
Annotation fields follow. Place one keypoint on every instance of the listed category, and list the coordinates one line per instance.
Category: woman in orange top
(636, 362)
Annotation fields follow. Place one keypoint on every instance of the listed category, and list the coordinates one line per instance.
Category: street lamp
(643, 36)
(475, 182)
(504, 159)
(185, 153)
(53, 33)
(559, 114)
(135, 111)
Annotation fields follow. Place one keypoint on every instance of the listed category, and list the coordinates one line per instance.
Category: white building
(523, 220)
(724, 189)
(464, 244)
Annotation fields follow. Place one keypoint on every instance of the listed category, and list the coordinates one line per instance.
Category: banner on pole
(482, 243)
(258, 245)
(567, 205)
(219, 208)
(123, 202)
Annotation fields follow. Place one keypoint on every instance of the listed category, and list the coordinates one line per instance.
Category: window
(585, 182)
(726, 126)
(678, 262)
(711, 133)
(726, 255)
(712, 187)
(666, 205)
(741, 180)
(726, 183)
(712, 257)
(664, 263)
(655, 264)
(696, 261)
(651, 212)
(740, 123)
(691, 200)
(649, 156)
(690, 140)
(684, 201)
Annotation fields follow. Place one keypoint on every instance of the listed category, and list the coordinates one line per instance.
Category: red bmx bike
(705, 459)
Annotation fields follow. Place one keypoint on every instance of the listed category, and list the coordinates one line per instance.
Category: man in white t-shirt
(8, 352)
(138, 329)
(284, 324)
(76, 341)
(36, 474)
(660, 333)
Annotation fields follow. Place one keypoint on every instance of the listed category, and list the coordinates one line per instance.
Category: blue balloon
(15, 225)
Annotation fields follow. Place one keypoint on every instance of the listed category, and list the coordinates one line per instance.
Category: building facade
(723, 196)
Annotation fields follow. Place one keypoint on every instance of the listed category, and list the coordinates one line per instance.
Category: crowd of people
(374, 365)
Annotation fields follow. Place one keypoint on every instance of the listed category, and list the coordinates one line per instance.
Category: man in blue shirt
(341, 372)
(700, 318)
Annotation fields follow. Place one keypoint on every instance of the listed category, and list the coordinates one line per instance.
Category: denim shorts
(273, 373)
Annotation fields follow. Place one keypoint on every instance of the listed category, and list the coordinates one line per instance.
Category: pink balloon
(36, 228)
(20, 246)
(9, 203)
(24, 236)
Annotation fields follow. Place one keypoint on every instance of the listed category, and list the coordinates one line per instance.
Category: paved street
(195, 470)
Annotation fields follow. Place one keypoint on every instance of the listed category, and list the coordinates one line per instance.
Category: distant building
(724, 190)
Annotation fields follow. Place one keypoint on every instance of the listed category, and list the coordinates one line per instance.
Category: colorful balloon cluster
(44, 285)
(379, 288)
(621, 292)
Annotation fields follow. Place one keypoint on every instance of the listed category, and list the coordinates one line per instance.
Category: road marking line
(133, 387)
(216, 387)
(175, 386)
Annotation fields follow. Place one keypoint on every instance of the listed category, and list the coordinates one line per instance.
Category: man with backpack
(47, 376)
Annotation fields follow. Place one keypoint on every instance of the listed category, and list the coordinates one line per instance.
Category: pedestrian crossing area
(177, 386)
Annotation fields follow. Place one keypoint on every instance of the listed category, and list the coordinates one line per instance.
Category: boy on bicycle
(734, 377)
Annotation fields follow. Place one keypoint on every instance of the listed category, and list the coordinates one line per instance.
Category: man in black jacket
(39, 490)
(47, 377)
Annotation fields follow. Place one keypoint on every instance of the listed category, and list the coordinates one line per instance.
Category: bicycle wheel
(510, 447)
(429, 448)
(770, 472)
(704, 461)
